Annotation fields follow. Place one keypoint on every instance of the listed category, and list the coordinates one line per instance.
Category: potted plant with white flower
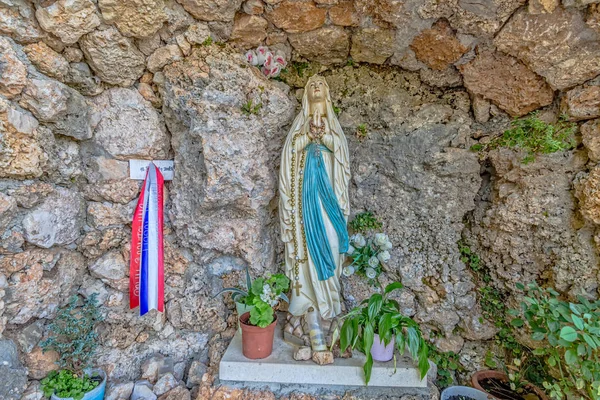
(368, 250)
(271, 64)
(258, 325)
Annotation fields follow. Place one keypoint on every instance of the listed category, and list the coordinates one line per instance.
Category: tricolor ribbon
(146, 267)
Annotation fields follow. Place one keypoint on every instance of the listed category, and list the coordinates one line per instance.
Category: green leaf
(374, 307)
(393, 286)
(571, 357)
(577, 321)
(520, 286)
(368, 337)
(384, 329)
(517, 322)
(346, 335)
(569, 334)
(551, 361)
(368, 367)
(588, 339)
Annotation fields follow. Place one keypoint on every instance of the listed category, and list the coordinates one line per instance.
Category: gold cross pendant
(297, 286)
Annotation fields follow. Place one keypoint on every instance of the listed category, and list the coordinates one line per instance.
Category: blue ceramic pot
(96, 394)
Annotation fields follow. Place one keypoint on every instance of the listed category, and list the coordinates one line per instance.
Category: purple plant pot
(380, 352)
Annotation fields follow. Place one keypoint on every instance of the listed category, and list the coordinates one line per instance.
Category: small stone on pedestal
(303, 353)
(323, 357)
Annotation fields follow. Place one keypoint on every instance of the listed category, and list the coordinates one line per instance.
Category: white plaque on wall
(137, 168)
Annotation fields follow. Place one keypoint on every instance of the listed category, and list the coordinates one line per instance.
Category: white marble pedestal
(281, 368)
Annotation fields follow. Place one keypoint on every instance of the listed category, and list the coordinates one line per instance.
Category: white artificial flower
(371, 273)
(269, 60)
(380, 239)
(266, 289)
(265, 297)
(373, 262)
(280, 59)
(384, 256)
(275, 71)
(347, 271)
(251, 57)
(359, 240)
(387, 246)
(261, 54)
(350, 250)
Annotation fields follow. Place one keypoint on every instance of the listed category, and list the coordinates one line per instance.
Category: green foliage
(470, 259)
(300, 67)
(336, 110)
(264, 294)
(237, 294)
(208, 41)
(381, 315)
(369, 254)
(365, 222)
(67, 384)
(535, 137)
(350, 62)
(249, 108)
(447, 364)
(570, 333)
(361, 131)
(72, 333)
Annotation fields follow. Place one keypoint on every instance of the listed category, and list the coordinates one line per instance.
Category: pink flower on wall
(271, 64)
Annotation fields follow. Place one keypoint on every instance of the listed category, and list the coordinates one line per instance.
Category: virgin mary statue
(313, 205)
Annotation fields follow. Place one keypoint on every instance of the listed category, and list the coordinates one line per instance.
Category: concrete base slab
(281, 368)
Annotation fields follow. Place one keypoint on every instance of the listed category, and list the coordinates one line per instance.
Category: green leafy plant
(365, 222)
(73, 336)
(300, 67)
(67, 384)
(265, 294)
(570, 336)
(361, 131)
(240, 295)
(208, 41)
(447, 364)
(249, 108)
(381, 315)
(336, 110)
(534, 136)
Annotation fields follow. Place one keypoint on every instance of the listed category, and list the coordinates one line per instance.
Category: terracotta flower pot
(256, 342)
(242, 308)
(381, 352)
(479, 376)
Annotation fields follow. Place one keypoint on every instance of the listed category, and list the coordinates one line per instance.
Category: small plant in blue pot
(72, 334)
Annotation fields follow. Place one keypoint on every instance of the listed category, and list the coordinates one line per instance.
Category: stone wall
(86, 85)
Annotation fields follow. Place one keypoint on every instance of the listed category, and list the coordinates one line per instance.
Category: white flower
(251, 57)
(373, 262)
(265, 297)
(381, 239)
(359, 240)
(280, 59)
(347, 271)
(275, 70)
(384, 256)
(371, 273)
(261, 54)
(266, 289)
(386, 246)
(350, 250)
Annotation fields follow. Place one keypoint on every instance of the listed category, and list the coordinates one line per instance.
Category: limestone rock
(8, 206)
(255, 148)
(211, 10)
(152, 367)
(22, 156)
(195, 373)
(303, 353)
(30, 195)
(68, 19)
(450, 77)
(586, 191)
(197, 33)
(372, 45)
(14, 376)
(119, 391)
(249, 30)
(344, 14)
(32, 293)
(142, 391)
(73, 54)
(57, 221)
(294, 17)
(506, 82)
(111, 266)
(39, 363)
(82, 79)
(593, 17)
(253, 7)
(17, 20)
(33, 392)
(148, 93)
(542, 6)
(47, 60)
(438, 47)
(163, 56)
(46, 99)
(127, 126)
(582, 102)
(106, 169)
(137, 18)
(164, 384)
(103, 215)
(96, 243)
(322, 357)
(117, 191)
(327, 45)
(114, 58)
(13, 74)
(178, 393)
(590, 136)
(558, 46)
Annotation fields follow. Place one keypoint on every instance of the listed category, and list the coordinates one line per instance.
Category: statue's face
(317, 91)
